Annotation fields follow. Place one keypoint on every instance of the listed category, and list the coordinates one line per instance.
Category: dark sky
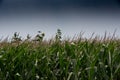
(1, 1)
(23, 6)
(58, 3)
(68, 15)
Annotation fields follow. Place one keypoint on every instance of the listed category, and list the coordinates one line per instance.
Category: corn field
(56, 59)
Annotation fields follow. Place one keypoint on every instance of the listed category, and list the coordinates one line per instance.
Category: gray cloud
(1, 2)
(62, 3)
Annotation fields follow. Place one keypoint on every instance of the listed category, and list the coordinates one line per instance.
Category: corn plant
(82, 59)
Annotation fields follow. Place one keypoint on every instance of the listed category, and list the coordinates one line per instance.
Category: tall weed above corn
(57, 59)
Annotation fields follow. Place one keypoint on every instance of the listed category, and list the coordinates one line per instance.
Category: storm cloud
(61, 3)
(55, 5)
(1, 2)
(72, 16)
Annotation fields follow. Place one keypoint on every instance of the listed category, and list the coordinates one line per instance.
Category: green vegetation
(56, 59)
